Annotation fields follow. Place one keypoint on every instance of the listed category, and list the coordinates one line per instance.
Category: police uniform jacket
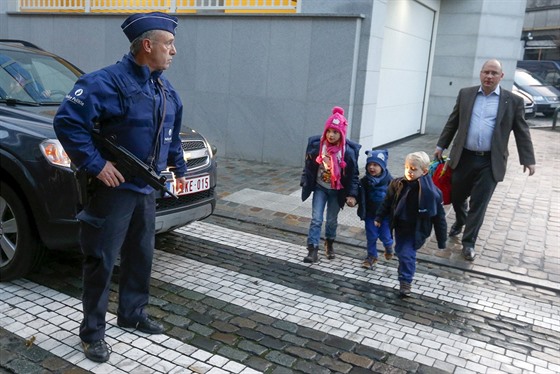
(349, 175)
(139, 109)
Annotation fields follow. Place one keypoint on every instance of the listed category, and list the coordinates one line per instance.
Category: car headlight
(54, 153)
(211, 149)
(538, 98)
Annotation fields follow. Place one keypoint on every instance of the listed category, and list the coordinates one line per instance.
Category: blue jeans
(373, 233)
(404, 248)
(323, 197)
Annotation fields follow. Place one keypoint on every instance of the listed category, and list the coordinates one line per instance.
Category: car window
(525, 79)
(552, 77)
(34, 77)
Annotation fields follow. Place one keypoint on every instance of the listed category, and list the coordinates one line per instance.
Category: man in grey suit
(481, 122)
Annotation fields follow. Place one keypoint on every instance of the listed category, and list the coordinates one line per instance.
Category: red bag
(442, 180)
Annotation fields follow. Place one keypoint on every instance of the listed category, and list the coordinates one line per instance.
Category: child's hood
(430, 197)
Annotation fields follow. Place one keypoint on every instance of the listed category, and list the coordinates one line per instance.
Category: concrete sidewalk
(519, 240)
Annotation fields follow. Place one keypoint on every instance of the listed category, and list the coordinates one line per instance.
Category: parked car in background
(546, 97)
(38, 194)
(546, 70)
(530, 110)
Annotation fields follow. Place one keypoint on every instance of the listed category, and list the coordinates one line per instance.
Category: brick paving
(235, 297)
(519, 239)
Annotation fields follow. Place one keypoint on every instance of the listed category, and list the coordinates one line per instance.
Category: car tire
(20, 248)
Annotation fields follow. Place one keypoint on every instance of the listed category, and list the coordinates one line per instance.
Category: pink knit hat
(337, 122)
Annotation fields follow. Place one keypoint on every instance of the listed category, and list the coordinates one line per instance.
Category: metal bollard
(555, 117)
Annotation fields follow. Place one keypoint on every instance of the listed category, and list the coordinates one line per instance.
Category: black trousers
(472, 179)
(116, 222)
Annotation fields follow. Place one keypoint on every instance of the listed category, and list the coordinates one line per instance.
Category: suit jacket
(510, 117)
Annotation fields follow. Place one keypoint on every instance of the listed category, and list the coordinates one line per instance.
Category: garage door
(404, 70)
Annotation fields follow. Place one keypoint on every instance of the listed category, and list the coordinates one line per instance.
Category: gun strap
(122, 81)
(156, 146)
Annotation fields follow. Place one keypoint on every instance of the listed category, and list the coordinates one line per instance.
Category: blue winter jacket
(125, 101)
(350, 174)
(371, 193)
(430, 210)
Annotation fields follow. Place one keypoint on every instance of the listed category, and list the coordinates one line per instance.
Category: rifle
(84, 184)
(131, 166)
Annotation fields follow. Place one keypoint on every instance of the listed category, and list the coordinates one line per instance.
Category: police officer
(133, 103)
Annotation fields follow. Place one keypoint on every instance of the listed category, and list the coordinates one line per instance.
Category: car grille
(197, 162)
(191, 145)
(170, 203)
(198, 154)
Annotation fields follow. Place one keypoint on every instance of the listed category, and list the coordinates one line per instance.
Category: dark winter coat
(371, 193)
(430, 210)
(350, 174)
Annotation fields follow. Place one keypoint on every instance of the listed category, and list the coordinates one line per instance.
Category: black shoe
(146, 326)
(455, 230)
(469, 253)
(96, 351)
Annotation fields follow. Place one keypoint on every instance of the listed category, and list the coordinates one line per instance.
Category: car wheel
(20, 248)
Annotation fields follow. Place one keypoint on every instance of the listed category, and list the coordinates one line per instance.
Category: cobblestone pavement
(235, 297)
(519, 239)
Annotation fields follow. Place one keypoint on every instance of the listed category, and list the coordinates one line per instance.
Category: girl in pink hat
(331, 173)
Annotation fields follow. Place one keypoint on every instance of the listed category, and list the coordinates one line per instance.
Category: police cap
(138, 23)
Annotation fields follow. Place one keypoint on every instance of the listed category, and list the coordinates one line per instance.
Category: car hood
(541, 90)
(36, 120)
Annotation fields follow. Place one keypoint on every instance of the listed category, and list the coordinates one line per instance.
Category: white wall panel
(404, 71)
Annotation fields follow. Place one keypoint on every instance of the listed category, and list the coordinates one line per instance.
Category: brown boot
(312, 255)
(329, 249)
(405, 289)
(389, 251)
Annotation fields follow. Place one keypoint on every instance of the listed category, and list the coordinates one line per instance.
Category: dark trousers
(116, 222)
(472, 178)
(404, 248)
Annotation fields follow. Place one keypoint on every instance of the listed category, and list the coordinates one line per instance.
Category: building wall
(541, 30)
(258, 85)
(470, 33)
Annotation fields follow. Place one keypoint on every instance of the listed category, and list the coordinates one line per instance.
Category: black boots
(329, 250)
(312, 255)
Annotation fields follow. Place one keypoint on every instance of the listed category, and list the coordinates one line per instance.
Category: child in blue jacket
(414, 204)
(372, 191)
(331, 174)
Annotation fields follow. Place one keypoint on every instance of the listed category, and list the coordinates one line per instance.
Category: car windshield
(525, 79)
(34, 77)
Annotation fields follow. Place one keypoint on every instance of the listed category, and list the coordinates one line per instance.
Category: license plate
(192, 185)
